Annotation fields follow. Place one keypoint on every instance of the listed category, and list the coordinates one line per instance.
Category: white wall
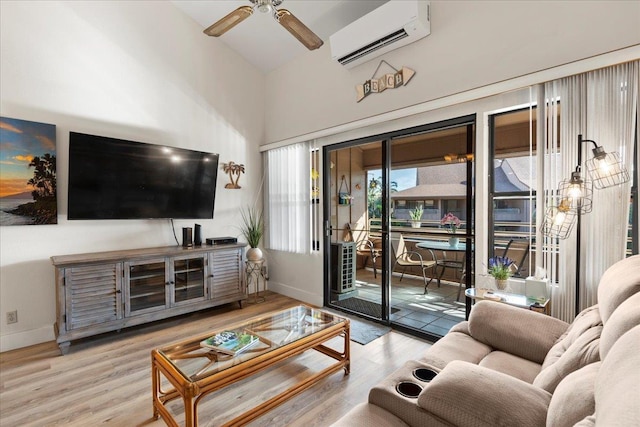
(472, 44)
(133, 70)
(473, 48)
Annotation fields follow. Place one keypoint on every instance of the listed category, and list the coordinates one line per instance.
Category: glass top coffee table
(204, 364)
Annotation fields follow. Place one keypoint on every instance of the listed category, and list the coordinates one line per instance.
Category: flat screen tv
(116, 179)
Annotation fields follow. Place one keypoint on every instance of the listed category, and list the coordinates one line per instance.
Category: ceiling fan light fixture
(283, 16)
(264, 6)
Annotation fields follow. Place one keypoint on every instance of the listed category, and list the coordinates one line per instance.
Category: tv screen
(116, 179)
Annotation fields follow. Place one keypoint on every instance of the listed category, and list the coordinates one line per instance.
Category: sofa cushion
(587, 319)
(455, 346)
(524, 333)
(367, 415)
(581, 353)
(509, 364)
(573, 399)
(625, 317)
(464, 394)
(618, 283)
(618, 385)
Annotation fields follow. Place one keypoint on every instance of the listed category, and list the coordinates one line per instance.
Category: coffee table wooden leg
(159, 397)
(347, 349)
(155, 388)
(190, 398)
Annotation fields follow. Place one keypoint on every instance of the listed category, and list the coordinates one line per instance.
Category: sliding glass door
(388, 255)
(431, 227)
(355, 244)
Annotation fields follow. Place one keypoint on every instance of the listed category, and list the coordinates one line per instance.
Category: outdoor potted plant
(416, 216)
(252, 229)
(451, 223)
(500, 269)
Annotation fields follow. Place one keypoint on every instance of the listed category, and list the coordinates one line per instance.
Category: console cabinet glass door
(147, 286)
(188, 279)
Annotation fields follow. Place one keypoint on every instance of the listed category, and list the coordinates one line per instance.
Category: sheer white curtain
(549, 168)
(288, 197)
(600, 105)
(612, 100)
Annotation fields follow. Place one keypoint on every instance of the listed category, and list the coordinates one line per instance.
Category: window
(288, 197)
(513, 183)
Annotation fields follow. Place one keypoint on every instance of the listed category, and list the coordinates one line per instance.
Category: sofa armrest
(465, 394)
(368, 414)
(524, 333)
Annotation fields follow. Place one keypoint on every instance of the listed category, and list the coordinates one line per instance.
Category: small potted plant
(500, 269)
(451, 223)
(416, 216)
(252, 230)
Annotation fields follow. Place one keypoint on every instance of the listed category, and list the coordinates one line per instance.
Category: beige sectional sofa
(507, 366)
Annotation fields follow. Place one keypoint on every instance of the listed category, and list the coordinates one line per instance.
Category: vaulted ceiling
(262, 41)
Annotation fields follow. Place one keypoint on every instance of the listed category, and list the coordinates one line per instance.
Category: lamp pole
(577, 305)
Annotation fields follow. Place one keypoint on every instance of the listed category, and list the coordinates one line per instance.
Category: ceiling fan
(283, 16)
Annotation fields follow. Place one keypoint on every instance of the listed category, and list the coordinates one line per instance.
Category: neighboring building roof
(519, 172)
(449, 181)
(505, 180)
(435, 191)
(442, 174)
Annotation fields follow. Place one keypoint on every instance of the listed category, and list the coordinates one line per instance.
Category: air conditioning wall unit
(343, 261)
(394, 24)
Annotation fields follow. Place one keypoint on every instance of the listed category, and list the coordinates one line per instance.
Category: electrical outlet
(12, 317)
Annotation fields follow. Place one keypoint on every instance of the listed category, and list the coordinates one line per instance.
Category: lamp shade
(559, 220)
(606, 169)
(578, 192)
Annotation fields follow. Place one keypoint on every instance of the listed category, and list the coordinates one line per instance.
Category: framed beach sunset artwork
(27, 173)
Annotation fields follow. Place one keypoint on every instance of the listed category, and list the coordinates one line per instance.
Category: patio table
(445, 263)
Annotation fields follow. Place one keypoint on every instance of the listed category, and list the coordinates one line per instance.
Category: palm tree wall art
(233, 169)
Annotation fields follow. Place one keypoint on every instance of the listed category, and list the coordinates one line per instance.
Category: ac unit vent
(378, 44)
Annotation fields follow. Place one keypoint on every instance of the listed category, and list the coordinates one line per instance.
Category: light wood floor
(107, 379)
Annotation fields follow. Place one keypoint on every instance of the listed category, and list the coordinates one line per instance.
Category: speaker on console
(187, 239)
(197, 237)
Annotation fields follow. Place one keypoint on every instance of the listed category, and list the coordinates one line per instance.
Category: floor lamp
(576, 197)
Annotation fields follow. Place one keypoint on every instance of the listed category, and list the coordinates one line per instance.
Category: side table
(254, 273)
(516, 300)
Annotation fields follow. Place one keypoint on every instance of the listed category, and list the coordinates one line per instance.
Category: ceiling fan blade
(229, 21)
(298, 29)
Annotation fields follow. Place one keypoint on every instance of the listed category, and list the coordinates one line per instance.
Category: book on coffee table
(230, 342)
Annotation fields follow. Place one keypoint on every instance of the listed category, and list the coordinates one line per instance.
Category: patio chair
(454, 264)
(517, 250)
(407, 258)
(365, 247)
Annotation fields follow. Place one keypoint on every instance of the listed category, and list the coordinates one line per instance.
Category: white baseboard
(37, 336)
(26, 338)
(291, 292)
